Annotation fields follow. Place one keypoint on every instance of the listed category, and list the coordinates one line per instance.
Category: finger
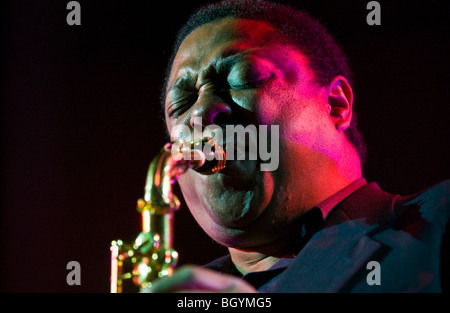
(194, 278)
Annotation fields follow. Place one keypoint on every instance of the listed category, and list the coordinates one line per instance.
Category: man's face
(231, 72)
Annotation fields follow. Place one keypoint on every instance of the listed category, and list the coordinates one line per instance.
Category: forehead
(221, 38)
(229, 29)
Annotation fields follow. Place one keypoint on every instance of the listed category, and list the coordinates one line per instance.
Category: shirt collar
(328, 204)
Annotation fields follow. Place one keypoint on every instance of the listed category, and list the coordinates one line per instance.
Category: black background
(81, 122)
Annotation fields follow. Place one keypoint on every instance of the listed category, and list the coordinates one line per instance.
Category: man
(313, 224)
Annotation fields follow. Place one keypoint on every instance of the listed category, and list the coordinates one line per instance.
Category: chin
(234, 209)
(227, 207)
(239, 238)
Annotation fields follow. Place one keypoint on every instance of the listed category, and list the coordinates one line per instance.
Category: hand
(191, 278)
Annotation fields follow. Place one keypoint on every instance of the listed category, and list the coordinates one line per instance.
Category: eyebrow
(184, 82)
(234, 55)
(224, 63)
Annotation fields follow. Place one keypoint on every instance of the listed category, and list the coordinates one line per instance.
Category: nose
(210, 109)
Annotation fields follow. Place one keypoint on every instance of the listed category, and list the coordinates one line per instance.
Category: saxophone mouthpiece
(204, 155)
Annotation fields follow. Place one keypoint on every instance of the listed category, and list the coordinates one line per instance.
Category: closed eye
(251, 84)
(181, 105)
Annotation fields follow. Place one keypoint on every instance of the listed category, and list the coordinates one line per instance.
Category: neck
(263, 257)
(251, 261)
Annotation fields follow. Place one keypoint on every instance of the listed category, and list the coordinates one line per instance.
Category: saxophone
(134, 266)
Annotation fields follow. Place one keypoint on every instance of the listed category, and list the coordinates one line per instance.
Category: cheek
(300, 119)
(178, 128)
(190, 188)
(245, 98)
(169, 124)
(193, 197)
(279, 106)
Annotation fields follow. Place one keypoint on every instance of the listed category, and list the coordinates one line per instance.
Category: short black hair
(325, 56)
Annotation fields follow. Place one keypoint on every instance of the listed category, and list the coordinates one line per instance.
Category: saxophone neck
(164, 171)
(151, 255)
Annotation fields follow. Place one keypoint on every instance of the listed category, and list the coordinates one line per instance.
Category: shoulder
(423, 215)
(414, 235)
(431, 205)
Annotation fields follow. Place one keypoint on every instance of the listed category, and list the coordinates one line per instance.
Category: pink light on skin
(233, 208)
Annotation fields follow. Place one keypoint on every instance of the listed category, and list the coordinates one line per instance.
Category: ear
(340, 101)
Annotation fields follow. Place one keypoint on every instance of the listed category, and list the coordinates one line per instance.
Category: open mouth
(241, 145)
(227, 158)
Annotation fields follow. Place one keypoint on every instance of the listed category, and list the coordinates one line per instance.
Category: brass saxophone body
(152, 255)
